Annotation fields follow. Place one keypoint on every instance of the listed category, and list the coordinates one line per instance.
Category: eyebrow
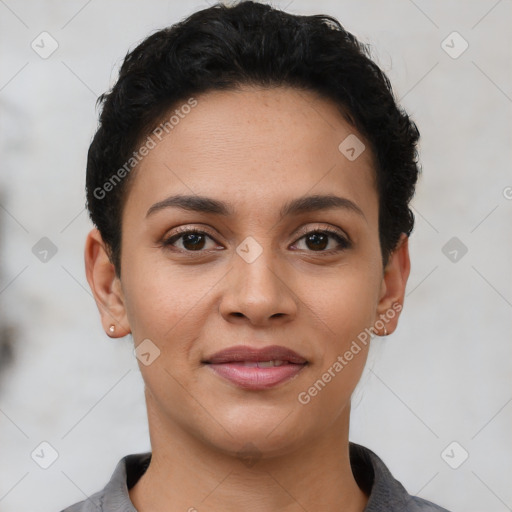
(305, 204)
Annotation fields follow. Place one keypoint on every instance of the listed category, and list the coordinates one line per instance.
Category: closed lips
(266, 357)
(261, 364)
(253, 369)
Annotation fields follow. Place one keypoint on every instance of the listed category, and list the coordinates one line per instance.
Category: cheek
(166, 308)
(343, 310)
(158, 297)
(346, 303)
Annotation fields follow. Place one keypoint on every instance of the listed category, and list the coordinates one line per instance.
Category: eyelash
(343, 242)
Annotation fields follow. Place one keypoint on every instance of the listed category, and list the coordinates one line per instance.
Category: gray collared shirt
(386, 494)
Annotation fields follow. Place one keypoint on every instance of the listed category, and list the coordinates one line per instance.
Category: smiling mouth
(256, 369)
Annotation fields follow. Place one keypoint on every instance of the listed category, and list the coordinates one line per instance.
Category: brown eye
(318, 240)
(192, 240)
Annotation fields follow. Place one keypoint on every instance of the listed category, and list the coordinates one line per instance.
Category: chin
(268, 431)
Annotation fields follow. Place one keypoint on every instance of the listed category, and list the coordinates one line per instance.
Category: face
(248, 292)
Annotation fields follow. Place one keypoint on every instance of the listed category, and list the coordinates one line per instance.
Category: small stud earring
(385, 331)
(112, 328)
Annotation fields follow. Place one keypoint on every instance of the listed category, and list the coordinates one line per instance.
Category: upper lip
(245, 353)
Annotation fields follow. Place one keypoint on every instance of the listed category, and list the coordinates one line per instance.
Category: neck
(187, 474)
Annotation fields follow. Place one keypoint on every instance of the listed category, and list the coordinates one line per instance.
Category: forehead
(258, 146)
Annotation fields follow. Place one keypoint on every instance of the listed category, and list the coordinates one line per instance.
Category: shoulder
(91, 504)
(385, 493)
(115, 496)
(427, 506)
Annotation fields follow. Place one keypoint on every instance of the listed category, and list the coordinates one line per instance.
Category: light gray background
(444, 376)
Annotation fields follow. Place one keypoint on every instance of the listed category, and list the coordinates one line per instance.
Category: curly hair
(222, 48)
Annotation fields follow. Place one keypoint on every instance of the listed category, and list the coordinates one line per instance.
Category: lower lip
(255, 378)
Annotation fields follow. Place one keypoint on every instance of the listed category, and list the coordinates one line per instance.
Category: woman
(249, 183)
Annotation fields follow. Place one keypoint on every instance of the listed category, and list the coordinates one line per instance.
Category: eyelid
(305, 230)
(188, 228)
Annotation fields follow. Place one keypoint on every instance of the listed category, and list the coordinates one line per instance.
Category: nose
(258, 292)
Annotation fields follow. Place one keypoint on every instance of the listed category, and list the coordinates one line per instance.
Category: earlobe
(394, 282)
(105, 286)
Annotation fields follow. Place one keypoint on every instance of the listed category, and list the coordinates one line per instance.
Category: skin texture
(256, 149)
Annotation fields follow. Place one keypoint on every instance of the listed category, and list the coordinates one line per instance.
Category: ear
(393, 285)
(105, 286)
